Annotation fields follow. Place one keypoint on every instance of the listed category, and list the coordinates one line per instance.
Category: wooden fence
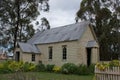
(108, 74)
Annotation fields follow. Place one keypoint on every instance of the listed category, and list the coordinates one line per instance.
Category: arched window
(64, 49)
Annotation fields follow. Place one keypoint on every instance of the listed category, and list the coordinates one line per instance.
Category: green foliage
(49, 67)
(17, 16)
(114, 63)
(103, 16)
(111, 64)
(56, 69)
(28, 67)
(102, 66)
(40, 67)
(69, 68)
(82, 70)
(4, 67)
(13, 66)
(91, 68)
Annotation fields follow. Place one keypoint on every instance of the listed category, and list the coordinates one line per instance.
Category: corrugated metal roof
(60, 34)
(30, 48)
(91, 43)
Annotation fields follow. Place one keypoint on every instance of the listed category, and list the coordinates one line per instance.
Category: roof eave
(56, 42)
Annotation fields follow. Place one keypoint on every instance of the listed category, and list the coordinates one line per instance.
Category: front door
(88, 56)
(17, 56)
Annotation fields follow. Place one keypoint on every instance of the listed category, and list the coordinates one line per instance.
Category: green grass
(43, 76)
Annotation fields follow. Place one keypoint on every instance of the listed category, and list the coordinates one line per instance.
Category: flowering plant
(56, 69)
(111, 64)
(102, 66)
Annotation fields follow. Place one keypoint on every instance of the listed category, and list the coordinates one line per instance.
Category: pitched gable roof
(30, 48)
(60, 34)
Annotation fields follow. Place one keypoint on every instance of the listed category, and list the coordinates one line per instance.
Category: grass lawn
(44, 76)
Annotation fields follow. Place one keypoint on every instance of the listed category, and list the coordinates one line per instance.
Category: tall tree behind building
(104, 15)
(16, 16)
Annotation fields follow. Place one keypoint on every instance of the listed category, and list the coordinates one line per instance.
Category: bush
(91, 68)
(103, 66)
(4, 67)
(114, 63)
(15, 66)
(28, 67)
(82, 70)
(40, 67)
(56, 69)
(69, 68)
(49, 67)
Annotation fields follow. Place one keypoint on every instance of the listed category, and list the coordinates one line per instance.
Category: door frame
(17, 56)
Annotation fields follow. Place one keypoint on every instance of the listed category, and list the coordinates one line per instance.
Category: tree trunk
(17, 23)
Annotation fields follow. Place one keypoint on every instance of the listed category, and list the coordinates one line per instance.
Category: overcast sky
(62, 12)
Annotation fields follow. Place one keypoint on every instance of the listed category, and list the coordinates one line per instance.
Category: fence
(108, 73)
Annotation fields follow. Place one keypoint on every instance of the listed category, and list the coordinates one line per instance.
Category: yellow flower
(56, 69)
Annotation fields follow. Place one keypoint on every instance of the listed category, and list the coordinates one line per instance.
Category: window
(64, 49)
(33, 57)
(50, 52)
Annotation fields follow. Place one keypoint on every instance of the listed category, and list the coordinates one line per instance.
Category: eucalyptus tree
(45, 22)
(104, 15)
(16, 17)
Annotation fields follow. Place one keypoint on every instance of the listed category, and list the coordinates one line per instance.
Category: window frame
(33, 57)
(50, 53)
(64, 52)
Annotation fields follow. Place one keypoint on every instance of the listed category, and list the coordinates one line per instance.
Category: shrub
(49, 67)
(15, 66)
(40, 67)
(28, 67)
(56, 69)
(82, 70)
(91, 68)
(4, 67)
(103, 66)
(114, 63)
(69, 68)
(31, 67)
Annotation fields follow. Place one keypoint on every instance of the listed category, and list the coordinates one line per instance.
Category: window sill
(33, 61)
(64, 60)
(49, 59)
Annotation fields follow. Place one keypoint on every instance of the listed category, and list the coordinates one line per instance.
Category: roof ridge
(68, 25)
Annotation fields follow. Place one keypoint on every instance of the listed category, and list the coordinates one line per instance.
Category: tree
(45, 23)
(104, 15)
(16, 17)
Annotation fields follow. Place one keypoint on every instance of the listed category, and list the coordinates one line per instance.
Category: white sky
(62, 12)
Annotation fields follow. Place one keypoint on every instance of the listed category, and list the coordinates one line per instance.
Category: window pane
(33, 57)
(50, 52)
(64, 52)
